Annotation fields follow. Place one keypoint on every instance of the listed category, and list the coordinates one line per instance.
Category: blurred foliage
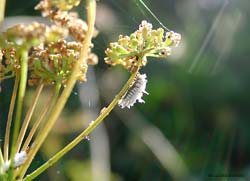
(198, 97)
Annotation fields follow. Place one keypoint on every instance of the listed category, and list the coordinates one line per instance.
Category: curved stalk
(85, 133)
(91, 10)
(9, 121)
(28, 115)
(46, 110)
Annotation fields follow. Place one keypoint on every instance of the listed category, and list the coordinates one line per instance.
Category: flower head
(144, 42)
(54, 62)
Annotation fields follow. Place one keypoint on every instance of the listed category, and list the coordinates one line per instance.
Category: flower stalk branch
(46, 111)
(28, 115)
(21, 93)
(9, 121)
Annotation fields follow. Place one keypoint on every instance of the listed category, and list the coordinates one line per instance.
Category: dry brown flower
(54, 62)
(28, 35)
(77, 27)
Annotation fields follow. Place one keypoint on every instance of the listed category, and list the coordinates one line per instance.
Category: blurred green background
(195, 122)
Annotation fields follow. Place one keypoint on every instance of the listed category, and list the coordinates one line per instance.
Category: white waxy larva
(135, 92)
(19, 159)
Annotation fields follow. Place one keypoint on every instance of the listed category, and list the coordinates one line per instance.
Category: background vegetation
(198, 98)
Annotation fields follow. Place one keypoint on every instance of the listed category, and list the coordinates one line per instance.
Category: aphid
(135, 92)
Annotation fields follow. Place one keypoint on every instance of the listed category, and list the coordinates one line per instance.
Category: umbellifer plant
(40, 55)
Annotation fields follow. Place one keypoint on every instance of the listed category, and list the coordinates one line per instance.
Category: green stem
(2, 11)
(28, 116)
(1, 161)
(85, 133)
(21, 93)
(10, 115)
(91, 10)
(46, 110)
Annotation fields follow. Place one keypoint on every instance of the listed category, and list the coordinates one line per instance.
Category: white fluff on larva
(135, 92)
(19, 159)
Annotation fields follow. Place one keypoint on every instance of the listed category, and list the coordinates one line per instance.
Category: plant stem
(1, 166)
(2, 11)
(10, 114)
(1, 160)
(28, 115)
(91, 10)
(51, 102)
(85, 133)
(21, 93)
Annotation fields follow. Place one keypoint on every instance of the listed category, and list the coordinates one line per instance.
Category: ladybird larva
(135, 92)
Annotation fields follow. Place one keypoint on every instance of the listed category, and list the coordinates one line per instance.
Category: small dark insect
(135, 92)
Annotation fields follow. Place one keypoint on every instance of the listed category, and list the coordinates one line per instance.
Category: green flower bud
(144, 42)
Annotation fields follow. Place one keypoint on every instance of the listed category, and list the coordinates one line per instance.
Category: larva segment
(135, 92)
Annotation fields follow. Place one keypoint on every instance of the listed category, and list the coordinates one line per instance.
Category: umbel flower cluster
(132, 51)
(51, 57)
(144, 42)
